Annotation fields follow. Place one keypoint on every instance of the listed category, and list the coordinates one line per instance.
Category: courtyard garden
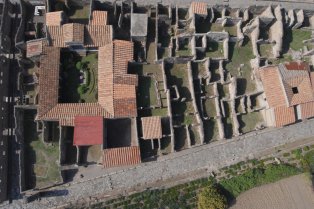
(79, 78)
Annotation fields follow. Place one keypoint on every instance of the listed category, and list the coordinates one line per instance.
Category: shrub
(309, 161)
(78, 65)
(87, 77)
(82, 89)
(297, 153)
(306, 148)
(210, 198)
(256, 177)
(287, 154)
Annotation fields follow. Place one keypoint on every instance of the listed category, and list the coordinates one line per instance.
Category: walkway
(210, 157)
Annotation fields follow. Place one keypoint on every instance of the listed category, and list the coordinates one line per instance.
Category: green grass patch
(257, 177)
(41, 159)
(214, 49)
(147, 95)
(298, 36)
(249, 121)
(242, 55)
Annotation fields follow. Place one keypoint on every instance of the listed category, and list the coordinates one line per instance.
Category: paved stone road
(211, 157)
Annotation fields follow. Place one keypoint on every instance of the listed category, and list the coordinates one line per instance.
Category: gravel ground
(290, 193)
(211, 157)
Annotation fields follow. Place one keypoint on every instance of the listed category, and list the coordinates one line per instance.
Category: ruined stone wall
(198, 118)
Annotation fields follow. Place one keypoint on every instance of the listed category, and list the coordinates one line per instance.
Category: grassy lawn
(71, 78)
(146, 96)
(249, 121)
(41, 167)
(160, 112)
(265, 50)
(177, 75)
(214, 49)
(210, 107)
(238, 56)
(79, 13)
(256, 177)
(298, 36)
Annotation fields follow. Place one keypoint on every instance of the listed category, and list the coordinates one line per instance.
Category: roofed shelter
(289, 91)
(152, 129)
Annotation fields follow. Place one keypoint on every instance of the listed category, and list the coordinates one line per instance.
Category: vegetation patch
(257, 177)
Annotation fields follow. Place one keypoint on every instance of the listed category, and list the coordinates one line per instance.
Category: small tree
(210, 198)
(78, 65)
(82, 89)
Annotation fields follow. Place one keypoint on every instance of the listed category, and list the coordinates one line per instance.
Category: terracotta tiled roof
(35, 47)
(272, 86)
(307, 110)
(284, 116)
(122, 156)
(97, 35)
(98, 18)
(94, 35)
(73, 33)
(297, 66)
(55, 36)
(199, 8)
(54, 18)
(88, 130)
(66, 112)
(298, 79)
(116, 88)
(48, 79)
(151, 127)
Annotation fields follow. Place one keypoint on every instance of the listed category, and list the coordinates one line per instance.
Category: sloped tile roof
(151, 127)
(199, 8)
(55, 36)
(98, 18)
(116, 88)
(35, 47)
(73, 32)
(97, 35)
(48, 79)
(123, 156)
(89, 130)
(272, 86)
(296, 77)
(307, 110)
(284, 116)
(54, 18)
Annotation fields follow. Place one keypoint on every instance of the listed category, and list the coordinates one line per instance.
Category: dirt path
(295, 192)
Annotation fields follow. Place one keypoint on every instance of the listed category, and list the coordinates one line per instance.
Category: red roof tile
(73, 33)
(122, 156)
(307, 110)
(98, 18)
(116, 89)
(151, 127)
(35, 47)
(54, 18)
(88, 130)
(48, 80)
(199, 8)
(297, 66)
(284, 116)
(272, 86)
